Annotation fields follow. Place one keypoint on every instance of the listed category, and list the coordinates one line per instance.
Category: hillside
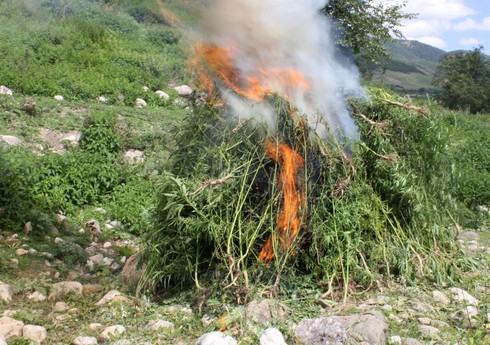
(410, 67)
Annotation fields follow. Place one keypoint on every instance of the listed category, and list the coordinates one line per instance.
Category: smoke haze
(268, 37)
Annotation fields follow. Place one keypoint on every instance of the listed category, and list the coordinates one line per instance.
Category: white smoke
(286, 34)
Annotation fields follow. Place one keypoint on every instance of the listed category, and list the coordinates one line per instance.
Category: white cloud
(470, 24)
(433, 41)
(469, 42)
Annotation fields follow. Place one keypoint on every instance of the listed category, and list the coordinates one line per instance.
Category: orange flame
(288, 220)
(213, 61)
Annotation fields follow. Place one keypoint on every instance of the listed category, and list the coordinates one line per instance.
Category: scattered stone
(107, 245)
(123, 260)
(115, 223)
(59, 97)
(132, 271)
(14, 262)
(34, 333)
(370, 327)
(92, 289)
(61, 307)
(183, 90)
(395, 340)
(216, 338)
(63, 317)
(9, 312)
(206, 320)
(463, 296)
(10, 140)
(47, 255)
(424, 320)
(21, 252)
(58, 240)
(36, 296)
(95, 326)
(272, 336)
(260, 312)
(27, 228)
(102, 99)
(320, 331)
(112, 332)
(411, 341)
(466, 318)
(112, 296)
(5, 91)
(5, 293)
(441, 298)
(85, 341)
(140, 103)
(428, 330)
(162, 94)
(146, 88)
(179, 103)
(422, 307)
(134, 156)
(155, 325)
(469, 236)
(122, 342)
(93, 228)
(100, 210)
(10, 327)
(67, 288)
(96, 259)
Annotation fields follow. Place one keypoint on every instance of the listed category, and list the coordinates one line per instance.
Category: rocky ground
(76, 286)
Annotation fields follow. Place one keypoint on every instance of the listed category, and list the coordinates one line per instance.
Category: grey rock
(428, 330)
(64, 289)
(395, 340)
(96, 259)
(216, 338)
(60, 307)
(5, 91)
(466, 318)
(424, 320)
(102, 99)
(10, 140)
(37, 334)
(112, 296)
(10, 327)
(36, 296)
(441, 298)
(155, 325)
(463, 296)
(411, 341)
(422, 307)
(162, 94)
(272, 336)
(320, 331)
(5, 293)
(370, 327)
(183, 90)
(140, 103)
(469, 236)
(59, 97)
(260, 312)
(112, 332)
(95, 326)
(85, 341)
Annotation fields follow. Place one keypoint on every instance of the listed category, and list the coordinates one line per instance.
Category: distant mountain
(410, 68)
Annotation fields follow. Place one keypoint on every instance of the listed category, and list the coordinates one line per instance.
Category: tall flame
(293, 200)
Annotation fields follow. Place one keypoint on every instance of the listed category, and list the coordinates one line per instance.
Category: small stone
(463, 296)
(62, 317)
(92, 289)
(47, 255)
(36, 297)
(183, 90)
(112, 332)
(387, 307)
(108, 261)
(216, 338)
(123, 260)
(59, 97)
(27, 228)
(96, 259)
(395, 340)
(155, 325)
(95, 326)
(5, 293)
(21, 252)
(424, 320)
(140, 103)
(422, 307)
(107, 245)
(10, 140)
(133, 157)
(85, 341)
(115, 223)
(272, 336)
(428, 330)
(5, 91)
(10, 327)
(102, 99)
(61, 307)
(466, 318)
(58, 240)
(112, 296)
(34, 333)
(14, 262)
(9, 312)
(441, 298)
(206, 320)
(146, 88)
(411, 341)
(67, 288)
(162, 94)
(260, 312)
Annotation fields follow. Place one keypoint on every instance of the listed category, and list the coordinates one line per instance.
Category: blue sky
(448, 24)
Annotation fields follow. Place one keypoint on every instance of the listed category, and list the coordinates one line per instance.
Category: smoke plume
(287, 47)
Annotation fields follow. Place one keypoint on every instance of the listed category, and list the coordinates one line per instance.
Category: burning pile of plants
(276, 177)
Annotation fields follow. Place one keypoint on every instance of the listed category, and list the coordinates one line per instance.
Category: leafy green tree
(364, 26)
(464, 78)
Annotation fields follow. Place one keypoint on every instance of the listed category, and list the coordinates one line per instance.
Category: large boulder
(5, 293)
(10, 140)
(10, 327)
(64, 289)
(36, 334)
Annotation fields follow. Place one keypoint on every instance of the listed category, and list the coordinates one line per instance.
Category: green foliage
(98, 135)
(464, 78)
(70, 253)
(380, 212)
(83, 50)
(364, 27)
